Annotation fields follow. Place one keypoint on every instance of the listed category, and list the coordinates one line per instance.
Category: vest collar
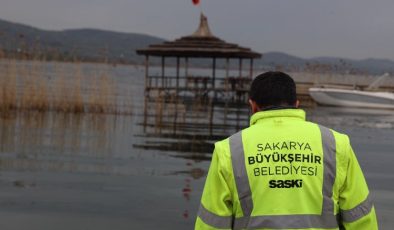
(263, 115)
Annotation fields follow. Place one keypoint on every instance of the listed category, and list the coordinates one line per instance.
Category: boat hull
(352, 98)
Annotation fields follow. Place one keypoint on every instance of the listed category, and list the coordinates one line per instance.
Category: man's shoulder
(222, 145)
(340, 137)
(342, 142)
(226, 141)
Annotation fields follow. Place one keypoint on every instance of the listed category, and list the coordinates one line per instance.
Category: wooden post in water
(163, 61)
(227, 67)
(186, 70)
(238, 92)
(237, 113)
(147, 71)
(240, 67)
(146, 91)
(214, 96)
(176, 96)
(214, 75)
(239, 82)
(177, 74)
(251, 69)
(227, 82)
(160, 97)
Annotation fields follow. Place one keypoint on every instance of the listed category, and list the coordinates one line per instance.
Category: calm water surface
(63, 171)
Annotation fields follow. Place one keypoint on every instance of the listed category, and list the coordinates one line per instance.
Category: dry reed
(30, 85)
(8, 101)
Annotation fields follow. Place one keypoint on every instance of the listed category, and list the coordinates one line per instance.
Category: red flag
(196, 2)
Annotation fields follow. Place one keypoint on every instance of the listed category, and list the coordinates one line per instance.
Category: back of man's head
(273, 89)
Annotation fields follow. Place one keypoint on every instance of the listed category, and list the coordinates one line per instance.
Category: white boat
(354, 98)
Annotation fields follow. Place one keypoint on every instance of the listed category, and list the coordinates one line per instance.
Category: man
(284, 172)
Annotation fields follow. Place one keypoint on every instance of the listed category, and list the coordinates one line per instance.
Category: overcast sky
(308, 28)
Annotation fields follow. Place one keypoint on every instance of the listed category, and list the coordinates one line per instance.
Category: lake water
(63, 171)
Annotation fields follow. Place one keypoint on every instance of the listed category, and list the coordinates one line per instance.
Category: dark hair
(273, 89)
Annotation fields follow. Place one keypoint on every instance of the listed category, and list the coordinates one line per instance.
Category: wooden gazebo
(181, 89)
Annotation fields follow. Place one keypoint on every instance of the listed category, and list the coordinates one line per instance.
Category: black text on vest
(285, 183)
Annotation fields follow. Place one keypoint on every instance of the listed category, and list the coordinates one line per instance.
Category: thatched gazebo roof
(201, 44)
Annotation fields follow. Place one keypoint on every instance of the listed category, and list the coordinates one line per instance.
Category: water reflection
(57, 142)
(192, 143)
(192, 131)
(337, 117)
(192, 173)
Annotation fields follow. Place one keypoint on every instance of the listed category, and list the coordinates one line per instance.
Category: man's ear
(253, 106)
(297, 104)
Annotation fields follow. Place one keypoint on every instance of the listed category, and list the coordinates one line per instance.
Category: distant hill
(100, 45)
(85, 44)
(283, 60)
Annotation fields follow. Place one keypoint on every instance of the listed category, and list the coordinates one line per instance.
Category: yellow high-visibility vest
(285, 173)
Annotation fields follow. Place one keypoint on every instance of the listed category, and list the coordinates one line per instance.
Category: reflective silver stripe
(240, 174)
(287, 221)
(357, 212)
(223, 222)
(329, 159)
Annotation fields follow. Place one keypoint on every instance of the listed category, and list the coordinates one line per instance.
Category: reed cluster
(49, 86)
